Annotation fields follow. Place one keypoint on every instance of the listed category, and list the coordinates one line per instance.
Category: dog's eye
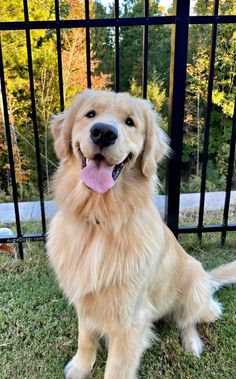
(91, 114)
(129, 121)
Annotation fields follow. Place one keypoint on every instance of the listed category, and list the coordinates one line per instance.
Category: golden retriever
(113, 256)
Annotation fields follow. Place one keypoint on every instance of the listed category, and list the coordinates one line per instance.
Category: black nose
(103, 134)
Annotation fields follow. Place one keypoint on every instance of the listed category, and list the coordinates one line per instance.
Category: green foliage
(131, 45)
(156, 93)
(222, 161)
(223, 95)
(46, 87)
(103, 76)
(11, 10)
(194, 185)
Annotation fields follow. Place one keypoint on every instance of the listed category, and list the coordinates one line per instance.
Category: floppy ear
(61, 126)
(156, 144)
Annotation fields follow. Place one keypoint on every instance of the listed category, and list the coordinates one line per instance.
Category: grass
(39, 330)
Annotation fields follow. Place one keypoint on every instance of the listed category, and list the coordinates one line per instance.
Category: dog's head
(110, 134)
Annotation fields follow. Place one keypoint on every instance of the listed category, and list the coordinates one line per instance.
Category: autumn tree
(73, 43)
(44, 54)
(222, 97)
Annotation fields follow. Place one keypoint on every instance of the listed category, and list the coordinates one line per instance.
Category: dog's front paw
(73, 371)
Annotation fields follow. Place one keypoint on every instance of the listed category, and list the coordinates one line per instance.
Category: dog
(114, 258)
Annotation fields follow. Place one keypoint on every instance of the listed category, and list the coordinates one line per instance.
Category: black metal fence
(180, 22)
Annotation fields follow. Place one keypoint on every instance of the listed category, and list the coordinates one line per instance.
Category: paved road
(31, 210)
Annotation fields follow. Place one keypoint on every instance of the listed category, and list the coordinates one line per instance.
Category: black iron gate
(179, 46)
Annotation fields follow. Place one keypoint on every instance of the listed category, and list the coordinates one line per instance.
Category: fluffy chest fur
(88, 258)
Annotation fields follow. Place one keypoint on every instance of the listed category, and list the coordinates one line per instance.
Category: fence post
(207, 120)
(10, 152)
(178, 65)
(229, 178)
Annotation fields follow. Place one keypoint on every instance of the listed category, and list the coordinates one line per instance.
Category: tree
(44, 43)
(131, 45)
(222, 97)
(156, 93)
(44, 54)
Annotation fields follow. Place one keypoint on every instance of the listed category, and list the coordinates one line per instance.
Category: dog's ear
(156, 144)
(62, 124)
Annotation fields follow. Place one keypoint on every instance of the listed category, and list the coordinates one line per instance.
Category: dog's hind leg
(191, 340)
(195, 305)
(212, 312)
(189, 336)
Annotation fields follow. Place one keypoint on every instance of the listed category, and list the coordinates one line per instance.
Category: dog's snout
(103, 134)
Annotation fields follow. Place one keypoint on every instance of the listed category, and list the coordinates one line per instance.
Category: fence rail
(179, 48)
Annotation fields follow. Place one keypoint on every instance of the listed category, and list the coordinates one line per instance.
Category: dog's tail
(223, 275)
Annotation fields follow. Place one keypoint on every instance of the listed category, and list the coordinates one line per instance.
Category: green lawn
(39, 330)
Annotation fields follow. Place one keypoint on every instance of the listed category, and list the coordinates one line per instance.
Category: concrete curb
(30, 211)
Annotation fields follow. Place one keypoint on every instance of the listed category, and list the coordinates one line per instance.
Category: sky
(165, 3)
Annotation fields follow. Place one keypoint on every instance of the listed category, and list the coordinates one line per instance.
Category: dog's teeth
(84, 161)
(117, 170)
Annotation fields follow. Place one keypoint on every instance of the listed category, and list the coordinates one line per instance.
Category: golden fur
(113, 256)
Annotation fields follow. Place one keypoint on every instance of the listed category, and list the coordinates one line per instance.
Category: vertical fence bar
(59, 58)
(117, 47)
(34, 118)
(179, 49)
(207, 120)
(145, 49)
(88, 52)
(229, 176)
(176, 104)
(10, 152)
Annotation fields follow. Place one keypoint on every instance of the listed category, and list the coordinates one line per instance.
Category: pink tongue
(97, 175)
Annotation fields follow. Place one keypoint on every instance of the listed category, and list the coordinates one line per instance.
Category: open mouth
(98, 175)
